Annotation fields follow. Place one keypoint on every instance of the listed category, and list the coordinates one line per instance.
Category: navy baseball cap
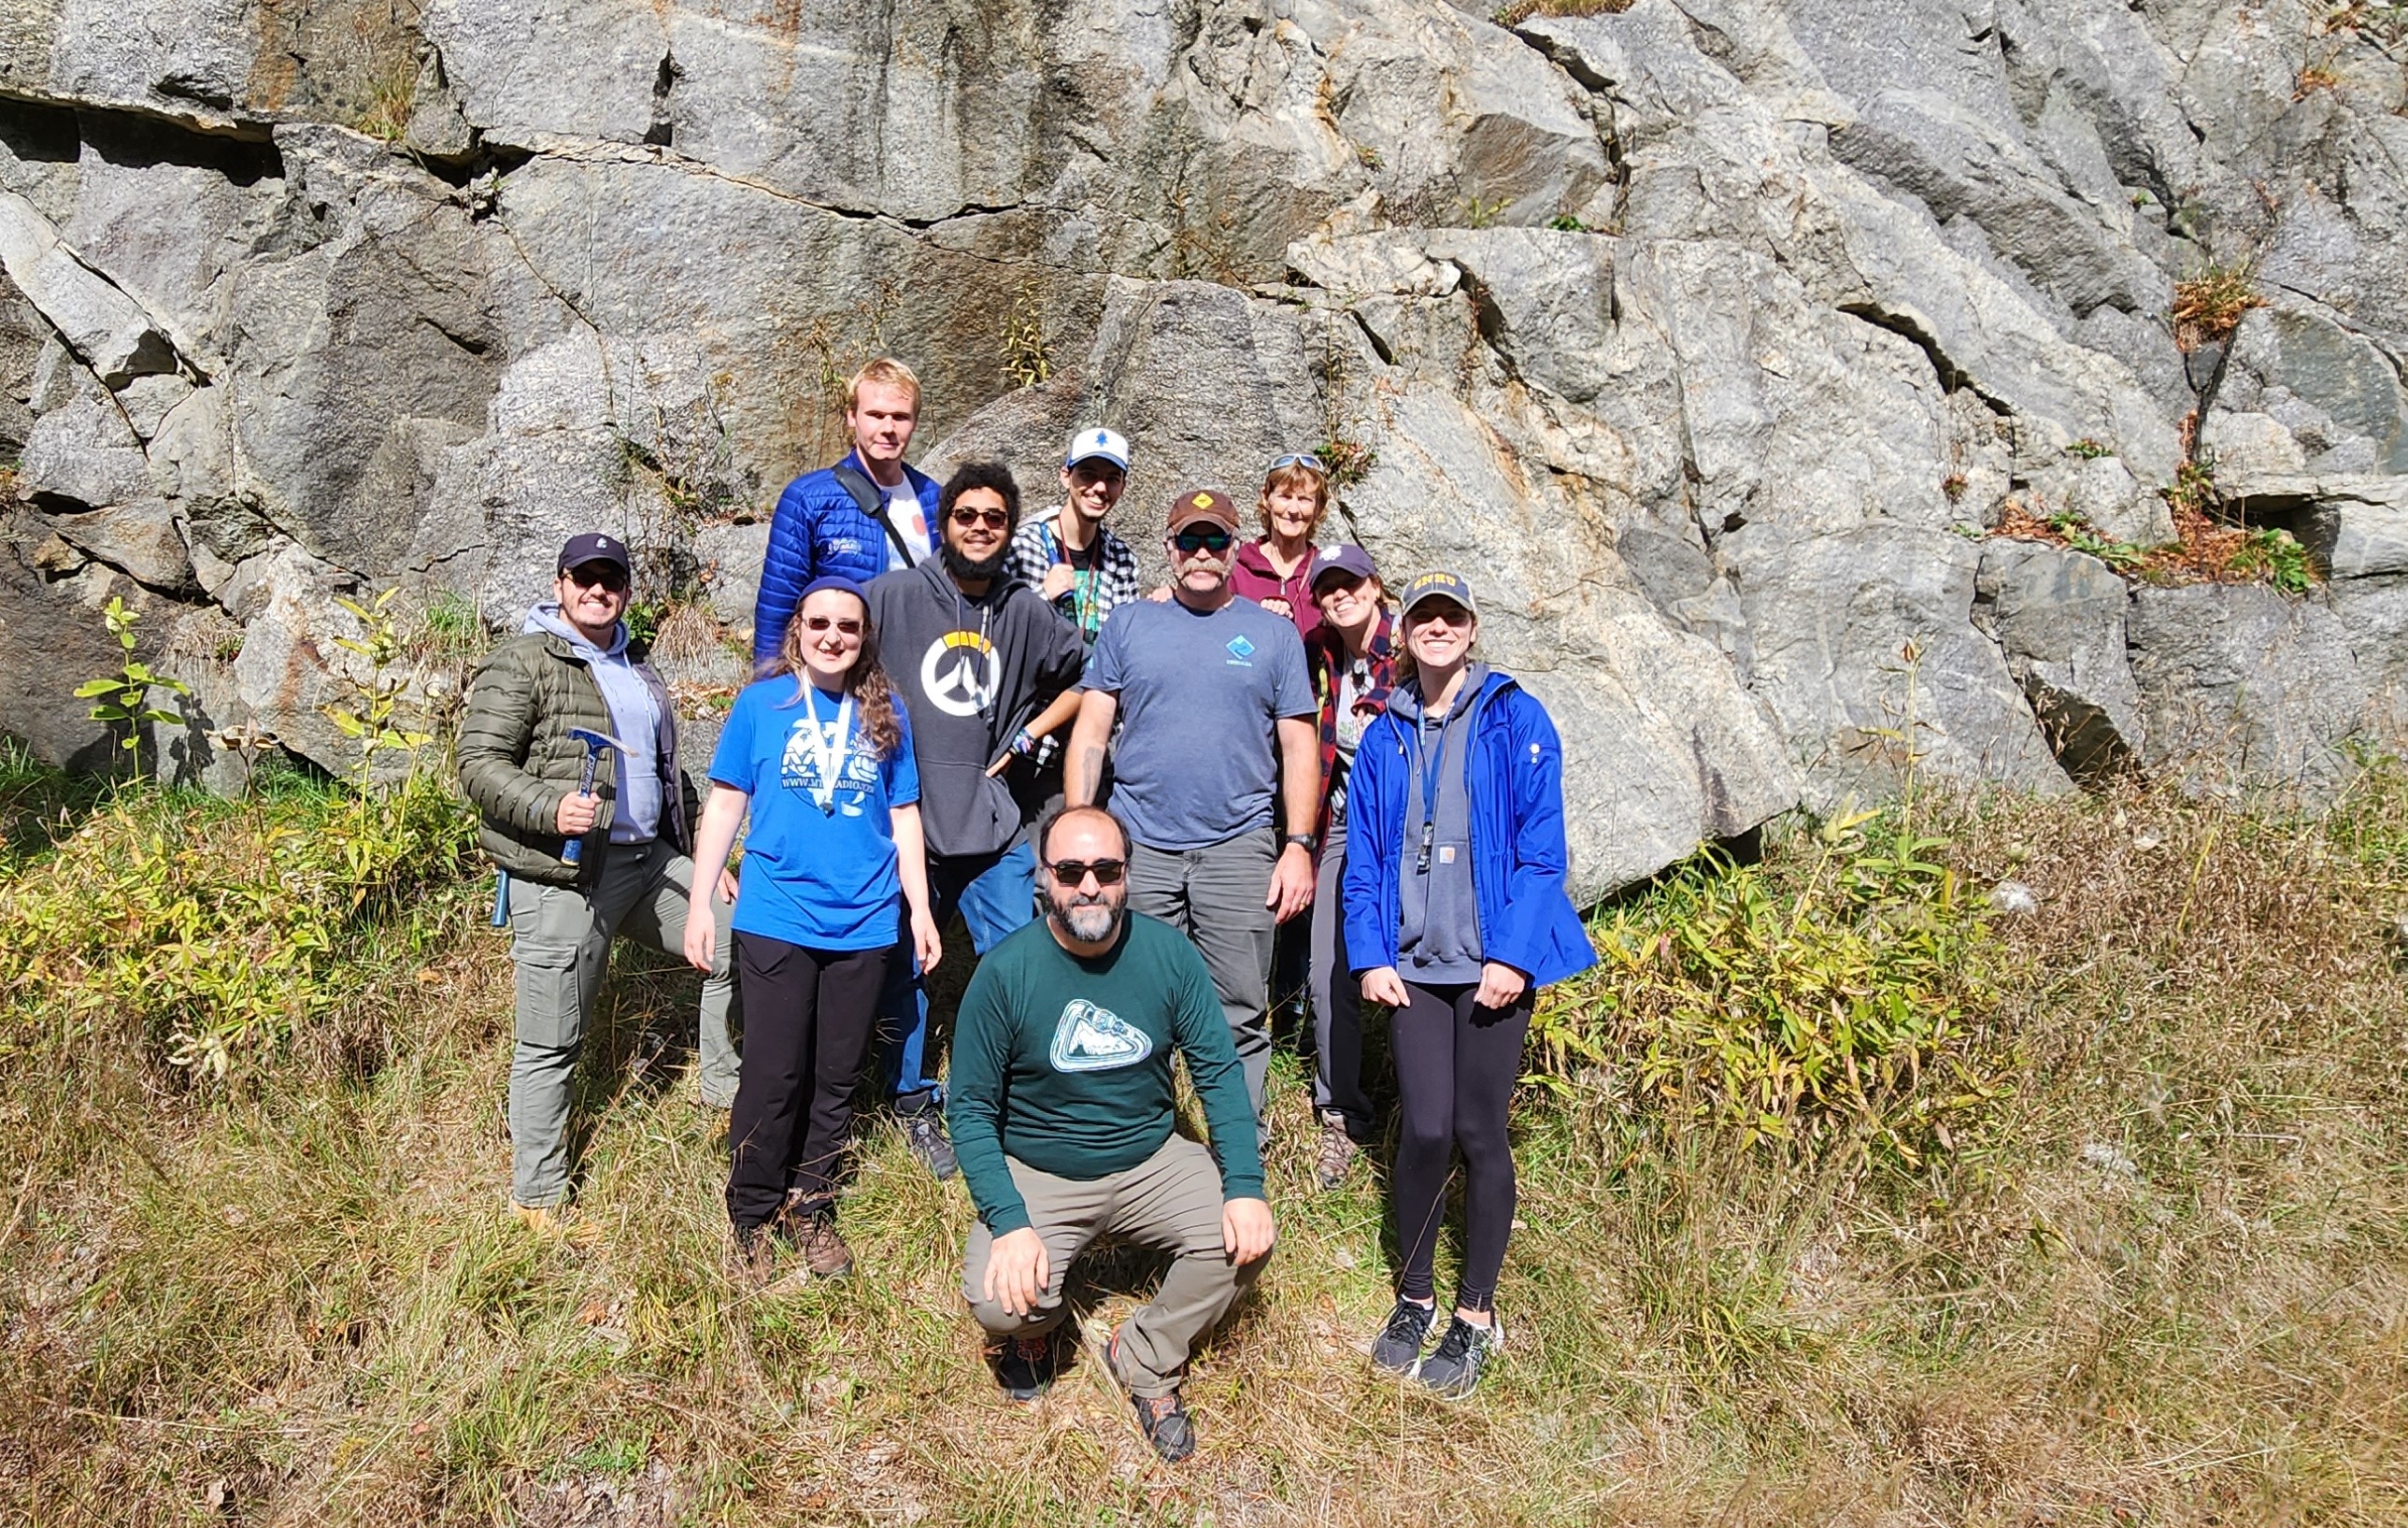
(1341, 559)
(593, 547)
(1439, 585)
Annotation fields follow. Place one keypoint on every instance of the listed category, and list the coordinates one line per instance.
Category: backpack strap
(872, 501)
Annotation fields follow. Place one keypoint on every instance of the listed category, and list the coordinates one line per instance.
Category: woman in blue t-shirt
(821, 754)
(1456, 916)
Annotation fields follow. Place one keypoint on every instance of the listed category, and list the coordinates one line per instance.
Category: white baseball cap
(1098, 442)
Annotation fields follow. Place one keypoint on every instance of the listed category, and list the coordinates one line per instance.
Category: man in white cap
(1068, 554)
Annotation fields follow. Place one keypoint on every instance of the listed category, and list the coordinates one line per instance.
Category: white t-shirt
(903, 512)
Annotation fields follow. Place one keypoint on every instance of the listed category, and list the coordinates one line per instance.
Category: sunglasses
(1435, 612)
(1212, 539)
(994, 519)
(1339, 586)
(1069, 872)
(850, 626)
(1305, 460)
(600, 575)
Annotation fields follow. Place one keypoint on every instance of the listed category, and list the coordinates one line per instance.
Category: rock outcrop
(1714, 338)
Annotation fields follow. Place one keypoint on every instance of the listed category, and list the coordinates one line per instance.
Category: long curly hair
(865, 681)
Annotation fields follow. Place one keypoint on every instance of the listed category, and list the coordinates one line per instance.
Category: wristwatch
(1303, 840)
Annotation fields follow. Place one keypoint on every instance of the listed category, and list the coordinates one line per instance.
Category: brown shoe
(752, 1257)
(823, 1251)
(1336, 1154)
(1163, 1419)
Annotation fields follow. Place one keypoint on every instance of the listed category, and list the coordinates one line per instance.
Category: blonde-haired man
(856, 520)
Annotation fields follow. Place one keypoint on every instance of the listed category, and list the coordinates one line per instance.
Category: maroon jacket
(1252, 577)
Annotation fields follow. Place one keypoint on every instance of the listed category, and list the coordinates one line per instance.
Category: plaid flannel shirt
(1325, 655)
(1094, 594)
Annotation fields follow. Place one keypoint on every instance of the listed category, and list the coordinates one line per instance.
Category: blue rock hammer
(597, 744)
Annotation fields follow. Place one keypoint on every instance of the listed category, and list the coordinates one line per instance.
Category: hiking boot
(1336, 1154)
(1455, 1367)
(753, 1256)
(1163, 1419)
(556, 1222)
(1025, 1365)
(815, 1237)
(925, 1129)
(1399, 1346)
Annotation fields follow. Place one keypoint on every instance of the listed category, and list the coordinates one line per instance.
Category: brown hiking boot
(823, 1251)
(1338, 1151)
(752, 1257)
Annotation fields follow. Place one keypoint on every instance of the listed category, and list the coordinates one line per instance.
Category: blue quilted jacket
(817, 531)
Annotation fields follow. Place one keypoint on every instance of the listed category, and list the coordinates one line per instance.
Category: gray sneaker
(925, 1129)
(1455, 1367)
(1337, 1152)
(1398, 1347)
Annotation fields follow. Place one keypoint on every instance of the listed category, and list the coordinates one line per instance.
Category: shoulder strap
(872, 501)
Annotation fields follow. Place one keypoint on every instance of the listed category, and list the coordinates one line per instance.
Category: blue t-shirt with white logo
(820, 875)
(1199, 696)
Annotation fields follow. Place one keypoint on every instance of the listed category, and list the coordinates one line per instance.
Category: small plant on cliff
(122, 700)
(2210, 303)
(1518, 11)
(2275, 555)
(1028, 356)
(371, 715)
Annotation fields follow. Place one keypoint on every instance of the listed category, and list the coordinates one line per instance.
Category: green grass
(2162, 1280)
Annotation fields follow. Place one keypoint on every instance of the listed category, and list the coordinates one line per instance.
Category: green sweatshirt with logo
(1064, 1063)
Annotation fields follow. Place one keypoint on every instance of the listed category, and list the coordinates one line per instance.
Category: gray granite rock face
(1709, 337)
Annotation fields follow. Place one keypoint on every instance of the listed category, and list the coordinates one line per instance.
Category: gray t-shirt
(1199, 696)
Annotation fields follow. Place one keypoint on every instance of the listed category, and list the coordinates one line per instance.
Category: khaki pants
(1171, 1201)
(1215, 896)
(560, 944)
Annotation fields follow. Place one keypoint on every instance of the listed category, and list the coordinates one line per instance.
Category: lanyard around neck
(829, 754)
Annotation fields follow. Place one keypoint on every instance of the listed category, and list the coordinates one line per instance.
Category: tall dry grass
(2162, 1281)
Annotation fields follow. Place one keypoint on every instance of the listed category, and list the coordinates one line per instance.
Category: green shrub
(1838, 999)
(2272, 554)
(215, 929)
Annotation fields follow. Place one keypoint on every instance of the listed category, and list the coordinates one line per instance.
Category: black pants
(1456, 1065)
(807, 1018)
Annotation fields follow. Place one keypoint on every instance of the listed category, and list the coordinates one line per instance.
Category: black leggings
(1456, 1065)
(807, 1018)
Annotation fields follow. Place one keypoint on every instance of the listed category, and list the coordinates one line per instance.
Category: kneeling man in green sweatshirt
(1061, 1115)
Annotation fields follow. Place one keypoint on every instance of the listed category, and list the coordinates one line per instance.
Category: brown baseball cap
(1194, 504)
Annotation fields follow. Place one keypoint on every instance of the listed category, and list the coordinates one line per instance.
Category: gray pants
(1171, 1201)
(1215, 896)
(560, 944)
(1337, 1002)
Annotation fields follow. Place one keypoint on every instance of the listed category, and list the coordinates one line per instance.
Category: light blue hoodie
(633, 716)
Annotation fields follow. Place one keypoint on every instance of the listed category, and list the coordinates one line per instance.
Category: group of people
(1126, 795)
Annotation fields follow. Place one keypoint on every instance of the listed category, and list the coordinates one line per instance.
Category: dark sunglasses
(597, 575)
(850, 626)
(1212, 539)
(966, 515)
(1069, 872)
(1302, 458)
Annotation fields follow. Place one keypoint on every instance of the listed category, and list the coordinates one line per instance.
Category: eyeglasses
(1305, 460)
(847, 624)
(967, 515)
(597, 575)
(1210, 539)
(1069, 872)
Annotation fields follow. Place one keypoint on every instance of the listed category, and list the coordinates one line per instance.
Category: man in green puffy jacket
(571, 668)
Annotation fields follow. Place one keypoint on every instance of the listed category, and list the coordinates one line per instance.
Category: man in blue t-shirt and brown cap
(1218, 756)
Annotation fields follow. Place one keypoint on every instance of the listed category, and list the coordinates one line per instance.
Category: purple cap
(593, 547)
(1341, 559)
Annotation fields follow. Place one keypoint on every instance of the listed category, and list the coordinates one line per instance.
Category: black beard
(959, 563)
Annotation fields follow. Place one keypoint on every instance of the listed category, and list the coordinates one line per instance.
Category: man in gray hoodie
(572, 668)
(984, 666)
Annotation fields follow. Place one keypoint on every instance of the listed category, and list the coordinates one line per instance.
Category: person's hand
(1499, 984)
(1159, 593)
(727, 886)
(1247, 1231)
(1018, 1270)
(701, 935)
(1290, 889)
(925, 942)
(577, 812)
(1381, 984)
(1059, 579)
(1278, 606)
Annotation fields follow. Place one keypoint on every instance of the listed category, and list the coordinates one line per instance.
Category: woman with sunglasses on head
(820, 754)
(1456, 914)
(1275, 572)
(1352, 655)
